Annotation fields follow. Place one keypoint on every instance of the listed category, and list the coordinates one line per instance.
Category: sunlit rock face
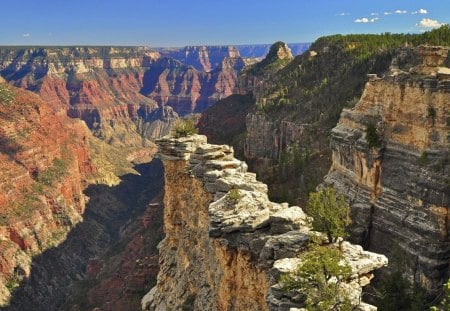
(226, 243)
(399, 190)
(117, 91)
(44, 165)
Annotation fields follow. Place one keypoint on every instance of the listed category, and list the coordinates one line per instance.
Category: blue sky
(195, 22)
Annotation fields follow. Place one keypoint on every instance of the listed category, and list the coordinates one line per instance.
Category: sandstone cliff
(226, 253)
(44, 165)
(398, 178)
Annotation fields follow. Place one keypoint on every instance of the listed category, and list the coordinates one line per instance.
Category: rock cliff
(203, 58)
(224, 251)
(261, 50)
(397, 176)
(67, 198)
(121, 91)
(44, 167)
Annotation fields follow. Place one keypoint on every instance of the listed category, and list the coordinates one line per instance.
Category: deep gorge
(61, 277)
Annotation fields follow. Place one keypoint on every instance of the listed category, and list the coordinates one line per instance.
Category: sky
(162, 23)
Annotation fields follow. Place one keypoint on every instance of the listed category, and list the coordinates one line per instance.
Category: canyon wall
(44, 166)
(203, 58)
(121, 91)
(224, 251)
(73, 212)
(396, 174)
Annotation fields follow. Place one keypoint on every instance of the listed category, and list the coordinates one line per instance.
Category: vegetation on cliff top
(6, 94)
(323, 268)
(331, 214)
(319, 277)
(445, 303)
(184, 128)
(334, 72)
(272, 62)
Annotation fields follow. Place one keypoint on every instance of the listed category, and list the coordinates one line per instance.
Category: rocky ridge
(398, 179)
(224, 251)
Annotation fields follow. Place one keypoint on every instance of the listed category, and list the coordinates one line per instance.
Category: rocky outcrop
(398, 179)
(44, 165)
(225, 243)
(261, 50)
(253, 80)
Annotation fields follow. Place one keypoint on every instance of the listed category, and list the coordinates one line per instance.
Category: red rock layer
(44, 160)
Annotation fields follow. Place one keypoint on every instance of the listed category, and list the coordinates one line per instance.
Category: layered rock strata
(398, 179)
(44, 164)
(121, 91)
(225, 243)
(204, 58)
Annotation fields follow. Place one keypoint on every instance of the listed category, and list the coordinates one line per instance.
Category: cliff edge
(391, 161)
(224, 251)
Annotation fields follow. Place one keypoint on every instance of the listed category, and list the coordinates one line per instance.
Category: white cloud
(366, 20)
(374, 14)
(429, 23)
(387, 13)
(400, 11)
(343, 14)
(420, 11)
(26, 35)
(362, 20)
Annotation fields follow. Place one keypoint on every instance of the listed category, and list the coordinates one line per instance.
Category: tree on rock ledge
(331, 214)
(319, 277)
(445, 303)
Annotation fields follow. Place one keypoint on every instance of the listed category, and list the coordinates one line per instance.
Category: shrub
(432, 112)
(54, 173)
(234, 195)
(318, 276)
(398, 294)
(184, 128)
(423, 159)
(330, 214)
(6, 94)
(445, 303)
(372, 136)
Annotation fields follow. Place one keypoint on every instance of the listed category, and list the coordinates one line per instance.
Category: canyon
(122, 91)
(84, 202)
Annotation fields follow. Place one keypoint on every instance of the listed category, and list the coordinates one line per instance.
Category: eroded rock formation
(398, 180)
(44, 165)
(226, 244)
(121, 91)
